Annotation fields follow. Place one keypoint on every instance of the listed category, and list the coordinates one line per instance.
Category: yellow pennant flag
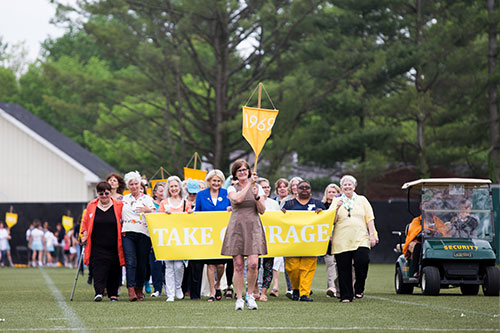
(67, 222)
(257, 125)
(200, 235)
(10, 219)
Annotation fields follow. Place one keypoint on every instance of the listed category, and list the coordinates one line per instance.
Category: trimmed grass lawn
(38, 299)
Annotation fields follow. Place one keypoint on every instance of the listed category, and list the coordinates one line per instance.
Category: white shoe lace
(240, 304)
(251, 304)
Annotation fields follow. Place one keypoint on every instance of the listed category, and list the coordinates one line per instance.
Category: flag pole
(258, 106)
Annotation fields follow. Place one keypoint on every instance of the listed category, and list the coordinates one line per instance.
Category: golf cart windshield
(457, 210)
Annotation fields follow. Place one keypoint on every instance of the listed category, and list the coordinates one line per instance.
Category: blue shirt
(204, 202)
(311, 205)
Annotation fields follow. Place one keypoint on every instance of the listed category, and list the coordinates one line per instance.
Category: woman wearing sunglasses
(101, 230)
(301, 269)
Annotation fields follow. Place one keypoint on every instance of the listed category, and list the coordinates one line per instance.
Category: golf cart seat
(399, 246)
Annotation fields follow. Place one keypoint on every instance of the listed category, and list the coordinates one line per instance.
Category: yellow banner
(67, 222)
(10, 219)
(257, 125)
(199, 235)
(194, 174)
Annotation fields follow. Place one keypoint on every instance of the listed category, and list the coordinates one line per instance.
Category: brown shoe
(131, 294)
(139, 293)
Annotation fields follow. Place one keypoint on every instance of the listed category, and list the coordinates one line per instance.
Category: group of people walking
(115, 232)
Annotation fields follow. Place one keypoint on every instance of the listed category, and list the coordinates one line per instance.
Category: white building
(40, 164)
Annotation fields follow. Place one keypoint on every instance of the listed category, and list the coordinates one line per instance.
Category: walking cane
(78, 271)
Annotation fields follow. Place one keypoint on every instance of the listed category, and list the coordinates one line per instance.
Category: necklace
(104, 207)
(348, 203)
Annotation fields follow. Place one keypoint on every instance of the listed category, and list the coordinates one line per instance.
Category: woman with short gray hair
(135, 235)
(214, 198)
(353, 236)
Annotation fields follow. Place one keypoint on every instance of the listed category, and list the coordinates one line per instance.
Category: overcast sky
(28, 20)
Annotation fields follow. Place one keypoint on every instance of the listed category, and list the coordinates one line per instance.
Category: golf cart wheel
(469, 289)
(491, 284)
(431, 281)
(399, 285)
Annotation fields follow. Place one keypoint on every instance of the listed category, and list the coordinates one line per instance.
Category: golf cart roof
(437, 181)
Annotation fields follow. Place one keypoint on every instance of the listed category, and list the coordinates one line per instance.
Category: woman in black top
(101, 229)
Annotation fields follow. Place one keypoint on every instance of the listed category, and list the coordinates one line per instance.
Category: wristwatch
(257, 197)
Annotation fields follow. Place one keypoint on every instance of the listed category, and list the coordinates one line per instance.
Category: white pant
(174, 271)
(279, 264)
(331, 272)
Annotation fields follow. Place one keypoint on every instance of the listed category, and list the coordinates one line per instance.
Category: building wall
(32, 172)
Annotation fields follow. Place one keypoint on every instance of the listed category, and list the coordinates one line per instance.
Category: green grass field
(38, 300)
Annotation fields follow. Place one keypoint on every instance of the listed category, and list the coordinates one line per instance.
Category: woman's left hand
(373, 240)
(254, 178)
(255, 191)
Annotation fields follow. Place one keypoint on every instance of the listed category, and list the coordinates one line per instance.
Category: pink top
(165, 205)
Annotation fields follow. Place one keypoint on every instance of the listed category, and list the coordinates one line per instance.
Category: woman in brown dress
(245, 235)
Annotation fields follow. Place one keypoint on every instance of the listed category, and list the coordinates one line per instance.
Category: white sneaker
(251, 304)
(98, 298)
(170, 299)
(240, 304)
(179, 294)
(155, 294)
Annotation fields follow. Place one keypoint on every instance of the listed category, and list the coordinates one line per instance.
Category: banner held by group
(200, 235)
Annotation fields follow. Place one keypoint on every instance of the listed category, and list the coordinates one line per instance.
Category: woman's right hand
(339, 203)
(84, 237)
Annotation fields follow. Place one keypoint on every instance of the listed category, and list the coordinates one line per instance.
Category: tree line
(374, 83)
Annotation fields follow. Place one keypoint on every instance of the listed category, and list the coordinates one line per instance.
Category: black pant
(417, 251)
(195, 268)
(361, 258)
(229, 272)
(107, 274)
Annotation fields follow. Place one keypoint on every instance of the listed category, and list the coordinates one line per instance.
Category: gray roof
(61, 141)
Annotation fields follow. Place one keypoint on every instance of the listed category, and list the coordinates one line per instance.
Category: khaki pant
(301, 272)
(331, 273)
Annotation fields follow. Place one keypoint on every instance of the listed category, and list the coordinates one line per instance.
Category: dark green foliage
(375, 83)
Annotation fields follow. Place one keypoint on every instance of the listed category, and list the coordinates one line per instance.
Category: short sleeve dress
(244, 234)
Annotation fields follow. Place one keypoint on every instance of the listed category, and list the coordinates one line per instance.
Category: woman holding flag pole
(245, 234)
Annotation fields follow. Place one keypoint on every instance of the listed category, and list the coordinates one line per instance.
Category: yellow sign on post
(257, 125)
(67, 222)
(153, 182)
(10, 219)
(194, 174)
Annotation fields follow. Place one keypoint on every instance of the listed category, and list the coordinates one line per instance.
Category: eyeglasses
(264, 187)
(102, 194)
(304, 187)
(242, 170)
